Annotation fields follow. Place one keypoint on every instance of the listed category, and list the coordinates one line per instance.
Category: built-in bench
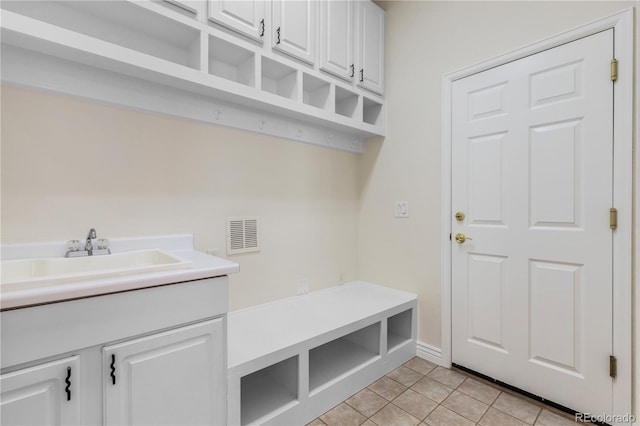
(293, 359)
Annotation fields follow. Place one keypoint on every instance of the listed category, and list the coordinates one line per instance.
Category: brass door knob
(461, 238)
(460, 216)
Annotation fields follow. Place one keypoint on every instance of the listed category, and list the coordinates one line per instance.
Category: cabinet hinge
(614, 69)
(613, 366)
(613, 218)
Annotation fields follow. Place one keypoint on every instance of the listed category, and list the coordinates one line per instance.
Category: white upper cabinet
(294, 28)
(192, 6)
(371, 47)
(337, 38)
(244, 16)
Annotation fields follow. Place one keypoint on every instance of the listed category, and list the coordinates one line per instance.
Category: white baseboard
(430, 353)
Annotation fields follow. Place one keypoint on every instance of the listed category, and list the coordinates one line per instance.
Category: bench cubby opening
(335, 359)
(399, 329)
(268, 390)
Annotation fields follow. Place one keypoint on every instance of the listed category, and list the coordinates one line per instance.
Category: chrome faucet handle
(73, 245)
(102, 243)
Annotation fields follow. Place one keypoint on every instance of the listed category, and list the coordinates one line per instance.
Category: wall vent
(242, 235)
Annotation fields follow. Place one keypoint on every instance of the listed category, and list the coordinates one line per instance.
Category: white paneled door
(532, 167)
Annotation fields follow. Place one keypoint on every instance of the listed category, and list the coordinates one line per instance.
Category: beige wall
(69, 164)
(424, 41)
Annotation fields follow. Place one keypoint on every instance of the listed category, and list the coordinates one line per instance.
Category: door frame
(622, 23)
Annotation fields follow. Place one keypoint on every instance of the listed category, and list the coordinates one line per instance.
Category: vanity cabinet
(150, 356)
(172, 378)
(45, 394)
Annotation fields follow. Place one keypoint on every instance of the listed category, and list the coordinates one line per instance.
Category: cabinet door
(244, 16)
(371, 47)
(46, 394)
(294, 28)
(171, 378)
(193, 6)
(337, 30)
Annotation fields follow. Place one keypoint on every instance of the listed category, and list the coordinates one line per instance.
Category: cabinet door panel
(337, 38)
(244, 16)
(294, 28)
(371, 47)
(37, 395)
(175, 377)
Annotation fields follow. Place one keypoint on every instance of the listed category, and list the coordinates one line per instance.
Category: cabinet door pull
(278, 32)
(353, 70)
(262, 23)
(361, 75)
(67, 380)
(113, 368)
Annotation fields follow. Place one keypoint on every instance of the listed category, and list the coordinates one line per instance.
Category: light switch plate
(402, 209)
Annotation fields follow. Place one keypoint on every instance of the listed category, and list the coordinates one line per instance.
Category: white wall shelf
(174, 46)
(293, 359)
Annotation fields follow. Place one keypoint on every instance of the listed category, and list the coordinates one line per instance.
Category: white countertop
(201, 266)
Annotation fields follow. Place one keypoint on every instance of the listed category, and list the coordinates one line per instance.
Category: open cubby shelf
(318, 349)
(122, 23)
(231, 62)
(171, 46)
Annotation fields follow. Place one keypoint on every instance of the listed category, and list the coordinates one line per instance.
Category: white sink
(28, 273)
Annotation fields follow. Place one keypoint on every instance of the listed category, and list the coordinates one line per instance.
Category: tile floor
(422, 393)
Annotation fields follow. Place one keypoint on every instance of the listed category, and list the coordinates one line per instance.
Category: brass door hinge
(613, 366)
(613, 218)
(614, 69)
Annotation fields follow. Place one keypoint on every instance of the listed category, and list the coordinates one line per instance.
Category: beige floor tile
(415, 404)
(369, 423)
(442, 416)
(316, 422)
(420, 365)
(367, 402)
(343, 415)
(466, 406)
(547, 418)
(517, 407)
(479, 390)
(495, 417)
(405, 376)
(394, 416)
(431, 389)
(387, 388)
(447, 377)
